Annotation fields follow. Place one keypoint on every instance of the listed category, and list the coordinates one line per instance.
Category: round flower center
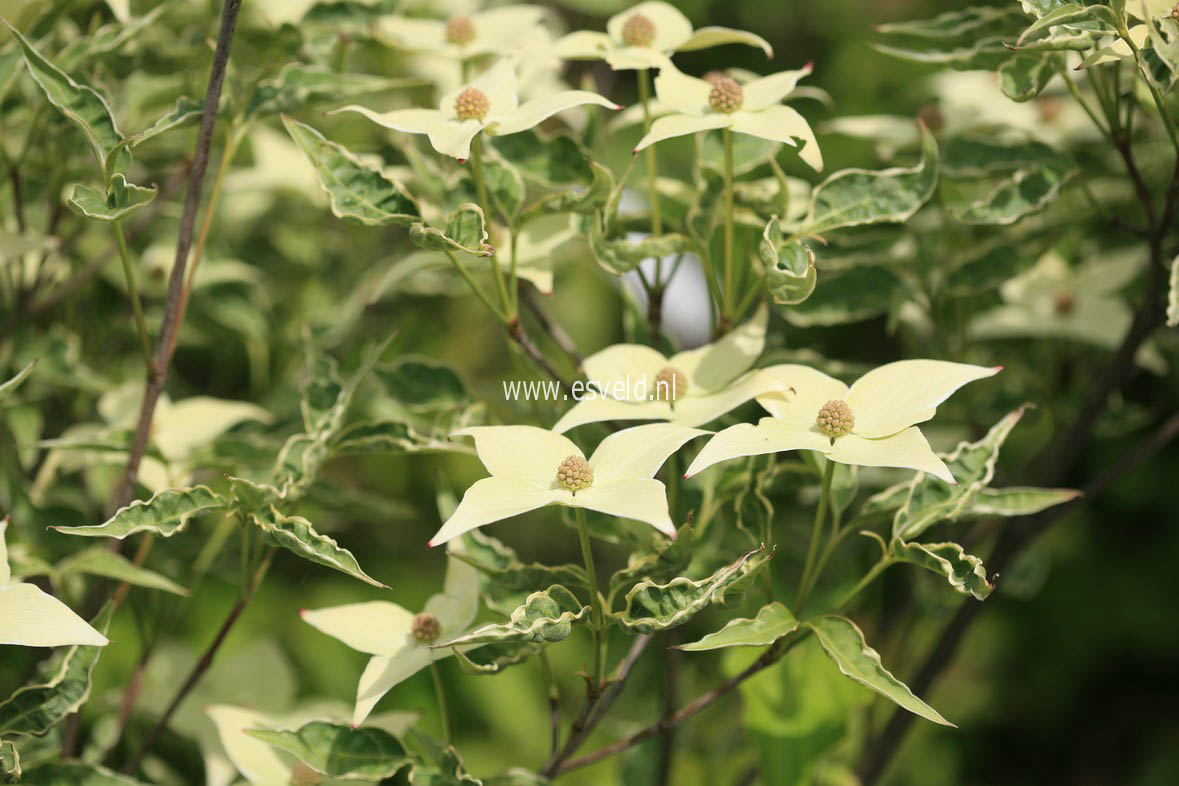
(460, 30)
(638, 31)
(835, 418)
(1064, 302)
(426, 627)
(471, 104)
(670, 383)
(575, 473)
(726, 95)
(714, 76)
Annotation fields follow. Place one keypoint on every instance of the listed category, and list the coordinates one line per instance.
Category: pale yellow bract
(671, 32)
(523, 462)
(384, 630)
(496, 31)
(30, 617)
(760, 114)
(451, 135)
(716, 380)
(886, 403)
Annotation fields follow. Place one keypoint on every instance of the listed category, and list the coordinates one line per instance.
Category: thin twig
(562, 338)
(671, 678)
(524, 341)
(157, 372)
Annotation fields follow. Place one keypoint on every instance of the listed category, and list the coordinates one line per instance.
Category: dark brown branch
(525, 342)
(593, 712)
(772, 655)
(671, 676)
(560, 336)
(157, 373)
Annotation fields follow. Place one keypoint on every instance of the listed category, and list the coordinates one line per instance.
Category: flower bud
(459, 30)
(835, 418)
(670, 384)
(638, 31)
(575, 473)
(726, 95)
(471, 104)
(426, 627)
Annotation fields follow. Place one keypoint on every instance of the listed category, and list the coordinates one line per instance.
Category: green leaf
(772, 622)
(1024, 76)
(445, 768)
(1099, 18)
(75, 773)
(165, 514)
(11, 385)
(854, 197)
(860, 293)
(390, 436)
(986, 53)
(1172, 296)
(1019, 500)
(505, 577)
(81, 105)
(620, 256)
(548, 161)
(973, 466)
(299, 83)
(494, 658)
(297, 535)
(120, 200)
(965, 572)
(954, 24)
(670, 558)
(505, 187)
(972, 156)
(365, 754)
(1025, 192)
(356, 190)
(465, 231)
(790, 266)
(101, 561)
(35, 709)
(9, 762)
(844, 643)
(423, 384)
(545, 617)
(186, 111)
(651, 606)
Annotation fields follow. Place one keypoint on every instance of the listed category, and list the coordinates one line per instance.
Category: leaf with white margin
(356, 190)
(101, 561)
(651, 606)
(493, 658)
(255, 760)
(338, 751)
(789, 266)
(1173, 295)
(11, 385)
(854, 197)
(955, 24)
(1024, 193)
(120, 200)
(501, 565)
(1019, 500)
(82, 105)
(165, 514)
(297, 535)
(35, 709)
(965, 572)
(844, 643)
(546, 616)
(75, 773)
(772, 622)
(465, 231)
(9, 762)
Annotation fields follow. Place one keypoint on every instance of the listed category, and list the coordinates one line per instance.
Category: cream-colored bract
(761, 113)
(716, 379)
(672, 32)
(31, 618)
(451, 135)
(497, 31)
(523, 463)
(887, 404)
(384, 630)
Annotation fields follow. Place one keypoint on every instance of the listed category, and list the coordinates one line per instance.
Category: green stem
(597, 618)
(481, 193)
(727, 310)
(1168, 121)
(440, 693)
(816, 531)
(462, 269)
(133, 292)
(868, 578)
(652, 168)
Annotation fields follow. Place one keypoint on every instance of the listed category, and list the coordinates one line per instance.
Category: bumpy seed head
(638, 31)
(835, 418)
(670, 384)
(726, 95)
(1064, 302)
(471, 104)
(575, 473)
(459, 30)
(712, 77)
(426, 627)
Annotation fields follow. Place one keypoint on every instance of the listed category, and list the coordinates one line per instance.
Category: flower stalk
(597, 617)
(807, 581)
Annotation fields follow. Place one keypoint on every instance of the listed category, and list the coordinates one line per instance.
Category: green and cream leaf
(297, 535)
(165, 514)
(341, 752)
(772, 622)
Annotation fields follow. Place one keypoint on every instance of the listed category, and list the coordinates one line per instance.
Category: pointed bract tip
(430, 543)
(810, 66)
(461, 161)
(616, 107)
(303, 614)
(686, 476)
(997, 369)
(634, 152)
(355, 726)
